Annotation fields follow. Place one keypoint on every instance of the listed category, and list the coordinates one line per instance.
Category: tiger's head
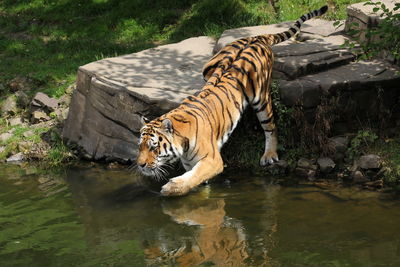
(157, 148)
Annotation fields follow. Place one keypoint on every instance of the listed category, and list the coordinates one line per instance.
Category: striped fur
(237, 76)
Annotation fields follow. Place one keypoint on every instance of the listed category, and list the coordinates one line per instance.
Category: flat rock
(353, 76)
(42, 100)
(326, 164)
(320, 49)
(112, 94)
(170, 71)
(323, 28)
(15, 121)
(39, 116)
(369, 162)
(365, 13)
(339, 143)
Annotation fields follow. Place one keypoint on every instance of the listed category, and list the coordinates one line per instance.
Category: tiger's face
(156, 149)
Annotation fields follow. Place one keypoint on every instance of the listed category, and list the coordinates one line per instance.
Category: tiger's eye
(160, 138)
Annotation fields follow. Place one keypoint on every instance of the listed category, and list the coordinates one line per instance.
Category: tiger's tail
(283, 36)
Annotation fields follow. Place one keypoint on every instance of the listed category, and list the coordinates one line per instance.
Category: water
(90, 216)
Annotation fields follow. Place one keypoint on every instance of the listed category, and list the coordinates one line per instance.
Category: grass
(48, 40)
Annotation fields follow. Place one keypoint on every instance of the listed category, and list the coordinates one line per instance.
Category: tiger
(237, 76)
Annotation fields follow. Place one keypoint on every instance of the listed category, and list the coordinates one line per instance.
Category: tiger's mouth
(147, 171)
(155, 171)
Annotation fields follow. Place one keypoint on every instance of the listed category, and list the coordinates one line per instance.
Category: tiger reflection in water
(218, 240)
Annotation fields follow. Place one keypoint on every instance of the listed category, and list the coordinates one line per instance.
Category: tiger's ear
(167, 126)
(144, 120)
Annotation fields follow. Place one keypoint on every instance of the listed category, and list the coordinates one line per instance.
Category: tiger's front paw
(175, 187)
(269, 158)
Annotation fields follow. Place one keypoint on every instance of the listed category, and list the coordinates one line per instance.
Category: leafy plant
(383, 37)
(362, 141)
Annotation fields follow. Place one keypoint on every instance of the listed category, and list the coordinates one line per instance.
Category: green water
(91, 216)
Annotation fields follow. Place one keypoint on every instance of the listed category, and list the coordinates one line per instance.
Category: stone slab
(174, 68)
(308, 89)
(365, 13)
(112, 94)
(322, 28)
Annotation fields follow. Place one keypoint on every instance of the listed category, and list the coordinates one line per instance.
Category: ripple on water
(91, 215)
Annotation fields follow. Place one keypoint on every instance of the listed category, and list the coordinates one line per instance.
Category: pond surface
(90, 216)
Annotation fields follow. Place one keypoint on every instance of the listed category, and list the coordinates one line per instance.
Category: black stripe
(266, 121)
(234, 45)
(303, 18)
(227, 57)
(206, 115)
(206, 70)
(191, 98)
(243, 89)
(257, 102)
(245, 41)
(230, 119)
(297, 24)
(249, 61)
(243, 72)
(180, 118)
(223, 89)
(288, 35)
(293, 30)
(262, 108)
(223, 52)
(197, 126)
(194, 152)
(237, 105)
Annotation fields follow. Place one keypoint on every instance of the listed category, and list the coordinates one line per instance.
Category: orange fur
(237, 76)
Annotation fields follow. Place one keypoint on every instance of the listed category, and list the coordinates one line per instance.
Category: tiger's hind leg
(265, 116)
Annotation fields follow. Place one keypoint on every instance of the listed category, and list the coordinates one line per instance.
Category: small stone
(15, 121)
(282, 164)
(304, 163)
(15, 158)
(358, 177)
(114, 165)
(326, 164)
(9, 106)
(5, 136)
(39, 116)
(370, 161)
(339, 143)
(375, 184)
(44, 101)
(28, 133)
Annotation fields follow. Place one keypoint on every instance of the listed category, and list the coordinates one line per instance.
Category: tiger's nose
(142, 165)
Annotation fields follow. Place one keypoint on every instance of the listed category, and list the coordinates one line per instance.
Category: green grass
(47, 40)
